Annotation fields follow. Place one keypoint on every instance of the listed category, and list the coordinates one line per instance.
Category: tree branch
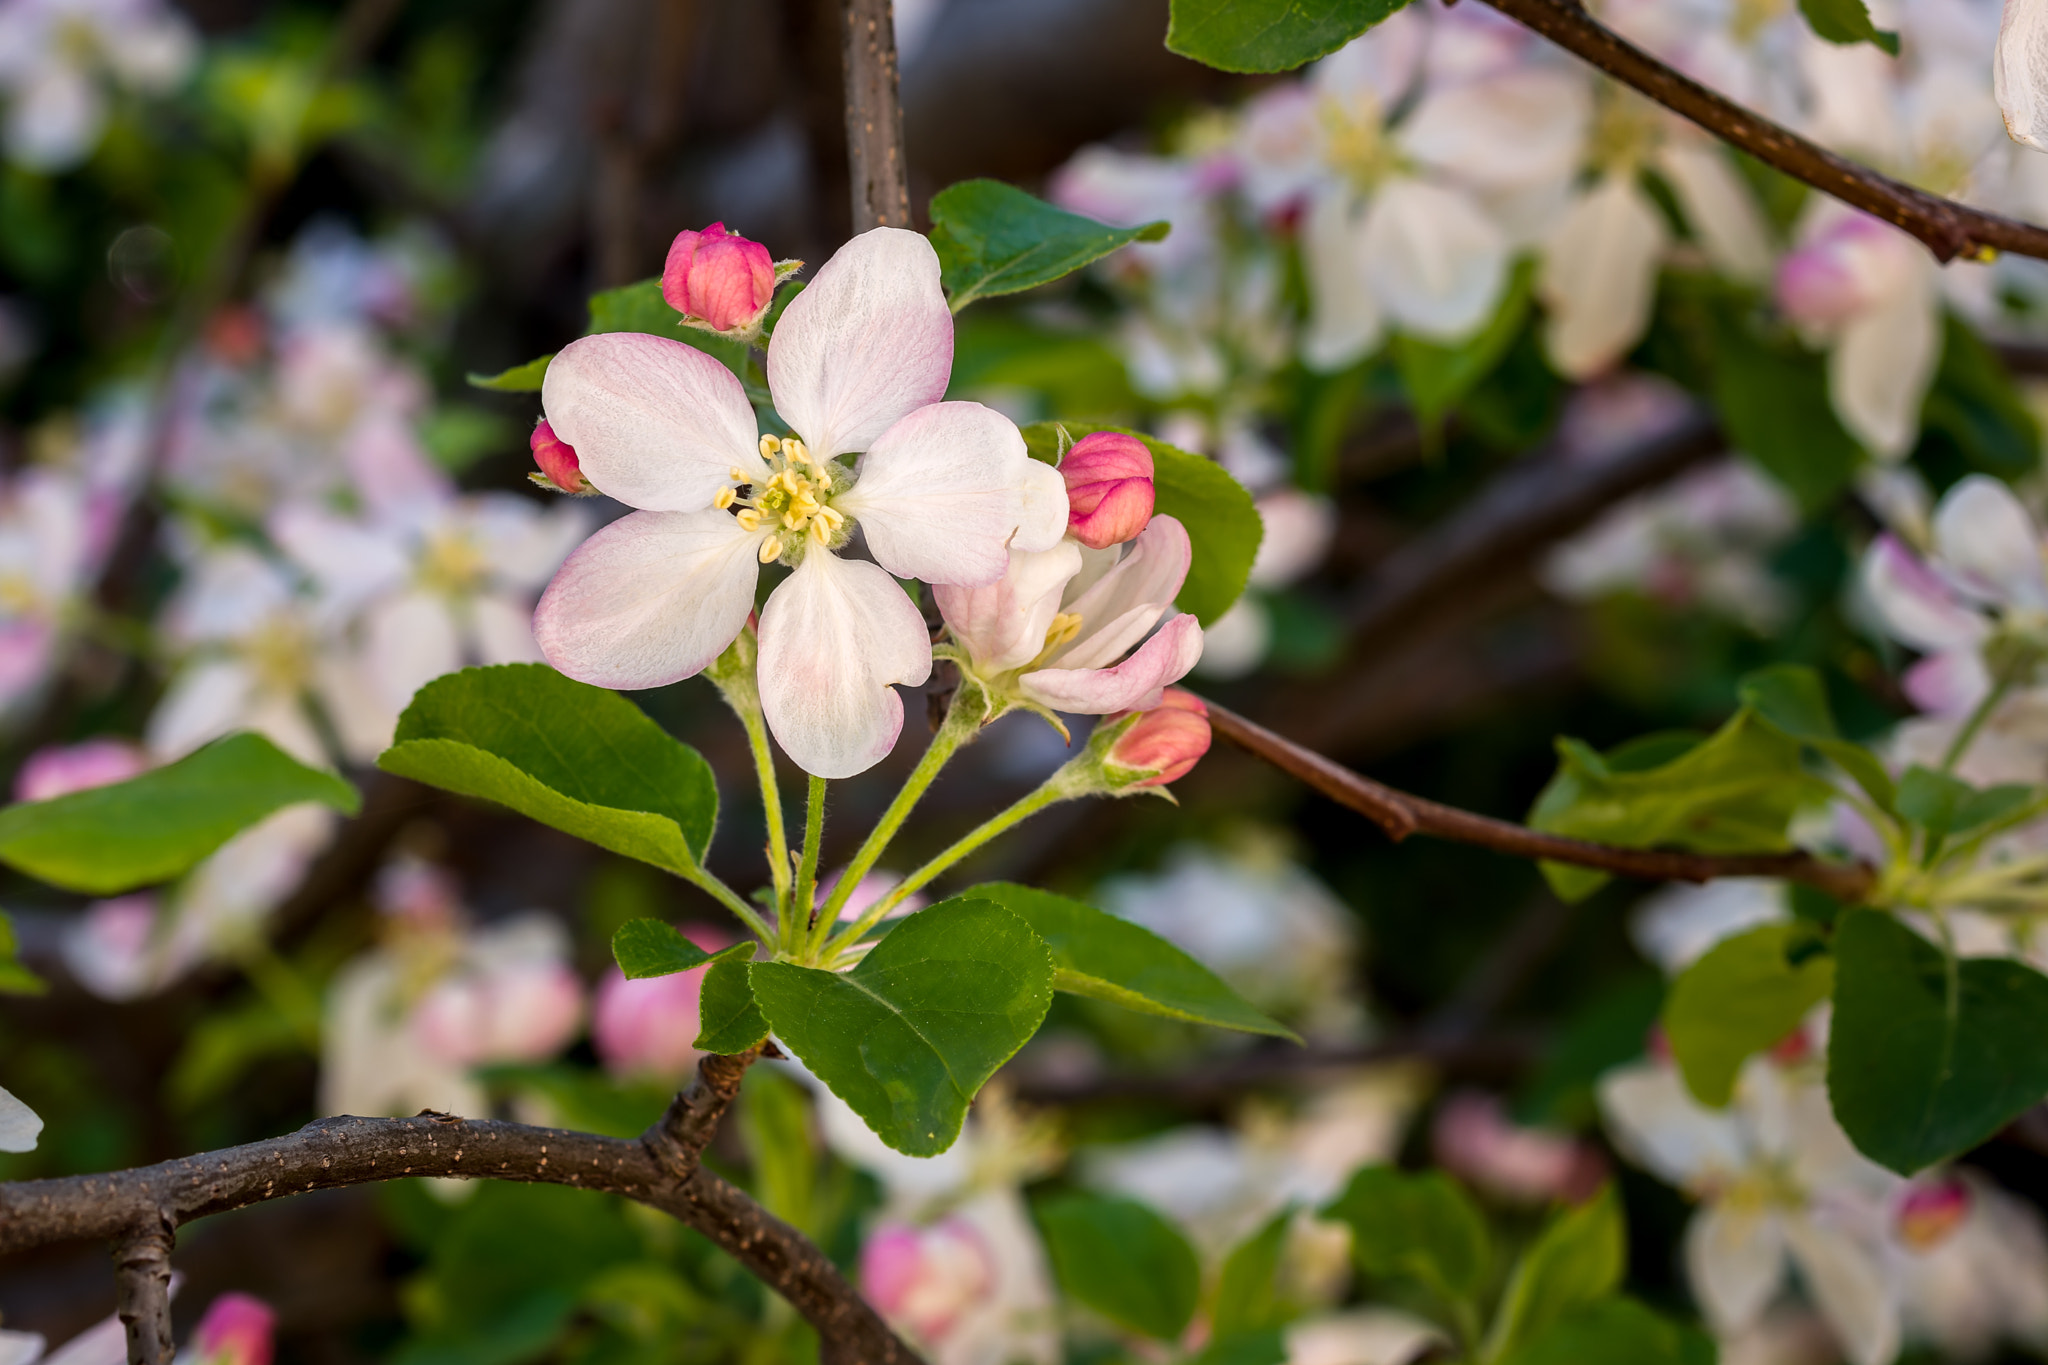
(142, 1292)
(1400, 814)
(1946, 228)
(874, 118)
(338, 1152)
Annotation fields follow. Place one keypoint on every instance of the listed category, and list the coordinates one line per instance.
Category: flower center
(794, 505)
(1061, 633)
(452, 564)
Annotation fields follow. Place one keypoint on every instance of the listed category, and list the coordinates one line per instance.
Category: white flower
(1985, 1281)
(44, 562)
(54, 55)
(1362, 1336)
(1677, 925)
(859, 362)
(1777, 1180)
(19, 1125)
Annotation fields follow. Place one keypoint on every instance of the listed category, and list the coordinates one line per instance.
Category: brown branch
(1400, 814)
(338, 1152)
(142, 1292)
(1948, 229)
(874, 118)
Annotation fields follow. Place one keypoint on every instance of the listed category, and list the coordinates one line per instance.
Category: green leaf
(1974, 405)
(1097, 954)
(1221, 519)
(15, 979)
(1773, 401)
(567, 754)
(914, 1030)
(1268, 35)
(1577, 1261)
(1734, 792)
(994, 239)
(1421, 1226)
(1266, 1346)
(519, 379)
(1792, 698)
(641, 308)
(1929, 1056)
(1944, 805)
(1245, 1299)
(727, 1017)
(1745, 995)
(1123, 1260)
(1437, 376)
(1615, 1331)
(161, 824)
(647, 947)
(1847, 21)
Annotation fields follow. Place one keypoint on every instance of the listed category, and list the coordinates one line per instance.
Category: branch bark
(142, 1292)
(1946, 228)
(1400, 814)
(874, 117)
(659, 1169)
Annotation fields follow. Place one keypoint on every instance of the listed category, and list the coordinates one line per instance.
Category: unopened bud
(647, 1026)
(1167, 741)
(236, 1330)
(1931, 1212)
(1109, 488)
(718, 279)
(927, 1278)
(559, 468)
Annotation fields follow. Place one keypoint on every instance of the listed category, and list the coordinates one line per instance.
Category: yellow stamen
(1064, 627)
(738, 475)
(724, 499)
(769, 445)
(771, 550)
(749, 520)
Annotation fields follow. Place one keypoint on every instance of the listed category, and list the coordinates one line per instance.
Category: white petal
(1344, 316)
(1506, 131)
(650, 599)
(1042, 523)
(503, 626)
(1987, 539)
(1361, 1336)
(412, 641)
(2019, 71)
(1734, 1259)
(25, 1348)
(834, 636)
(55, 120)
(1720, 207)
(1849, 1285)
(363, 721)
(19, 1125)
(868, 342)
(941, 493)
(103, 1343)
(656, 424)
(1879, 371)
(1120, 607)
(350, 561)
(1002, 626)
(1435, 262)
(1914, 603)
(1600, 276)
(202, 703)
(1658, 1125)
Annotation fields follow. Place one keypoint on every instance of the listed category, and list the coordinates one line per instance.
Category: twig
(1946, 228)
(874, 118)
(142, 1292)
(1400, 814)
(338, 1152)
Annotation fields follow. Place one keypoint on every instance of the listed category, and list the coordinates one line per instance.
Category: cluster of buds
(721, 282)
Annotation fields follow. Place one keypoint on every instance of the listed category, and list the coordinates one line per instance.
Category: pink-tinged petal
(1988, 542)
(1949, 684)
(1168, 740)
(1120, 607)
(941, 493)
(1003, 624)
(1109, 488)
(62, 769)
(656, 424)
(650, 599)
(867, 343)
(1914, 604)
(236, 1329)
(2019, 72)
(834, 637)
(1133, 685)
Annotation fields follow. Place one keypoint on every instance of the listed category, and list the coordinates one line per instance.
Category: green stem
(961, 723)
(1961, 744)
(1052, 791)
(771, 805)
(801, 915)
(712, 886)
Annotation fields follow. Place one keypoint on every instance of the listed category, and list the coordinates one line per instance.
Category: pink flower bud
(646, 1027)
(718, 278)
(516, 1012)
(237, 1330)
(1816, 287)
(1931, 1212)
(559, 468)
(1476, 1140)
(1167, 741)
(1109, 488)
(59, 771)
(927, 1279)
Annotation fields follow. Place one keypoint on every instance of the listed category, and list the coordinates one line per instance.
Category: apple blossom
(55, 56)
(1983, 1279)
(927, 1278)
(1167, 741)
(1050, 632)
(647, 1026)
(718, 279)
(1474, 1138)
(944, 493)
(557, 460)
(62, 769)
(1109, 488)
(236, 1329)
